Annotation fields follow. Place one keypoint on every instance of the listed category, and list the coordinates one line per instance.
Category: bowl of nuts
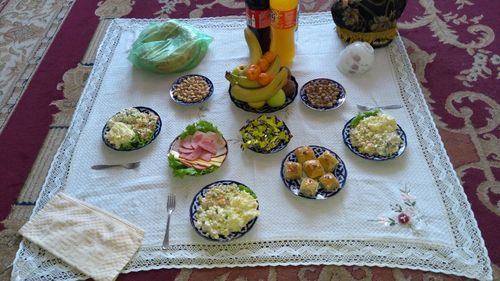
(191, 89)
(322, 94)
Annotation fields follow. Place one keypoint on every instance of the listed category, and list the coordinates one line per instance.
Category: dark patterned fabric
(373, 21)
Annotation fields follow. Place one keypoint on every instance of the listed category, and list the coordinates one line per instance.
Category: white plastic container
(356, 58)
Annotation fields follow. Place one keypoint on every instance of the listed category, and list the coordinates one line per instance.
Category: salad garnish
(363, 115)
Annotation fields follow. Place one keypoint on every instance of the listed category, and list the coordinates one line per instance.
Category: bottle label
(284, 19)
(258, 18)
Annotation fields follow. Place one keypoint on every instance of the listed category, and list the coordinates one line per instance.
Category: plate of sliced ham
(199, 150)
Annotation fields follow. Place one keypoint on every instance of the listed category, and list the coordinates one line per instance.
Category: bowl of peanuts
(191, 89)
(322, 94)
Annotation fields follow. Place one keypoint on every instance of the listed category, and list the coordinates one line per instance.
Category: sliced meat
(201, 146)
(206, 155)
(218, 141)
(186, 143)
(221, 146)
(208, 145)
(185, 150)
(221, 151)
(193, 155)
(175, 145)
(197, 137)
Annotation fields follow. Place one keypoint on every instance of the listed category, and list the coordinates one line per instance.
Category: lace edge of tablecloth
(469, 258)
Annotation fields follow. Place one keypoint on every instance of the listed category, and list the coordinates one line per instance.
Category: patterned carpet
(46, 57)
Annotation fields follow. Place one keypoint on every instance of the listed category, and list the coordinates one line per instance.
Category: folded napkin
(93, 241)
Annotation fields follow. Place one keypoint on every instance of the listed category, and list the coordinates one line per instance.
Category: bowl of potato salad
(374, 135)
(131, 128)
(224, 210)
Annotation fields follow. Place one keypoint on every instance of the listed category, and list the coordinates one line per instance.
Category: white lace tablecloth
(353, 227)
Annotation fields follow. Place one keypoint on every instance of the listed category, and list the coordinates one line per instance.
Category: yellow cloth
(370, 37)
(93, 241)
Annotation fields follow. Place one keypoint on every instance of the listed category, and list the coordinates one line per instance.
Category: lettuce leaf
(247, 190)
(202, 126)
(362, 115)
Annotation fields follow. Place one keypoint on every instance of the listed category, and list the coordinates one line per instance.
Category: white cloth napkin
(93, 241)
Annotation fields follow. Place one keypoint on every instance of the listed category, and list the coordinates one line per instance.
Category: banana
(253, 46)
(242, 81)
(257, 104)
(263, 93)
(249, 84)
(275, 67)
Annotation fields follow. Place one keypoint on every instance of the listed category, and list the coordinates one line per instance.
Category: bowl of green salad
(131, 128)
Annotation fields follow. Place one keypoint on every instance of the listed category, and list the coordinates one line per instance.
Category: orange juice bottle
(283, 24)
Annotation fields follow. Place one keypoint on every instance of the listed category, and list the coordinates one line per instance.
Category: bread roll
(292, 170)
(304, 153)
(313, 168)
(329, 182)
(309, 187)
(328, 161)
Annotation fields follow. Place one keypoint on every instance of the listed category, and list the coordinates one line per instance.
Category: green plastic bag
(169, 46)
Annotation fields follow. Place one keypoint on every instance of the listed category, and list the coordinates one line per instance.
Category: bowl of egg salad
(224, 210)
(131, 128)
(374, 135)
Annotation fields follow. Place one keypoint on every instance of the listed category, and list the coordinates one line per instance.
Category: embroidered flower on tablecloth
(405, 214)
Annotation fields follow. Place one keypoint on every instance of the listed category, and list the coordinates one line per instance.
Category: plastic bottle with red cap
(258, 16)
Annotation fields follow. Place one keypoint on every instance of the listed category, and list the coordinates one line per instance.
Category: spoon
(368, 108)
(126, 166)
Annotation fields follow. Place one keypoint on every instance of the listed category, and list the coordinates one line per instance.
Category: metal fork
(126, 166)
(170, 210)
(368, 108)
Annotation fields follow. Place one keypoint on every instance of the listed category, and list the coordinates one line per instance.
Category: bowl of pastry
(313, 172)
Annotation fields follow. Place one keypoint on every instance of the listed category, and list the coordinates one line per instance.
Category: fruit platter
(263, 85)
(131, 129)
(224, 210)
(200, 149)
(313, 172)
(375, 136)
